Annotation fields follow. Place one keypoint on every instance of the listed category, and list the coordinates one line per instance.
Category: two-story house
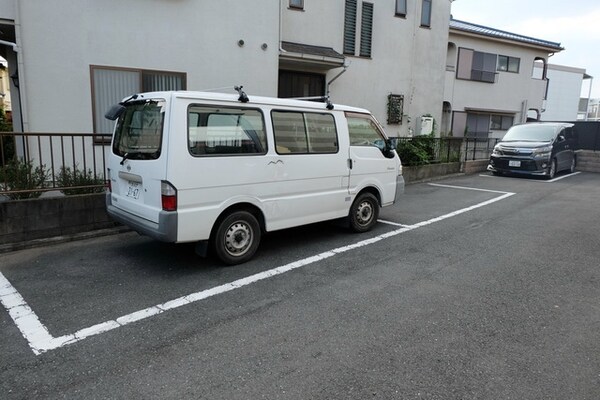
(71, 60)
(491, 80)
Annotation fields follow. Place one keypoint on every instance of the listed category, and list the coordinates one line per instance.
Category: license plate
(133, 190)
(514, 163)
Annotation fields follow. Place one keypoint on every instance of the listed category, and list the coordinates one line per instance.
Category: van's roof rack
(243, 97)
(324, 99)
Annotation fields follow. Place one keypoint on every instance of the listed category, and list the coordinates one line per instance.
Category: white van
(222, 169)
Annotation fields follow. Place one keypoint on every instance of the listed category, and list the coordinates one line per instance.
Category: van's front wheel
(364, 212)
(237, 238)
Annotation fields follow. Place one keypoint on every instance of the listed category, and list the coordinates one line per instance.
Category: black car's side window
(569, 133)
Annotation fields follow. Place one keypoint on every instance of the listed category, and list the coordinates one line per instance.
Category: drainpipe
(334, 78)
(587, 106)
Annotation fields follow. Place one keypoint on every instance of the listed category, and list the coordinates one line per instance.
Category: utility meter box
(425, 126)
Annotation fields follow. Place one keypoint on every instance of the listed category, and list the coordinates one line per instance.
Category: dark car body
(541, 148)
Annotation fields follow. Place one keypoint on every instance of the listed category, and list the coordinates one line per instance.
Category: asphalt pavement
(474, 287)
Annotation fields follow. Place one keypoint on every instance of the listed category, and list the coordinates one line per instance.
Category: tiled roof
(496, 33)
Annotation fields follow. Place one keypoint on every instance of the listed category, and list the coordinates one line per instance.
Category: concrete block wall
(588, 161)
(26, 220)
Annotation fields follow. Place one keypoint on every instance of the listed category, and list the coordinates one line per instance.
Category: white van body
(180, 162)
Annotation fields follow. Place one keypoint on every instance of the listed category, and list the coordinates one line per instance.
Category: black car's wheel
(573, 165)
(237, 238)
(552, 170)
(363, 213)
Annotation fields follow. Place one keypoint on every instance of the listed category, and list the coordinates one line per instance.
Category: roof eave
(549, 49)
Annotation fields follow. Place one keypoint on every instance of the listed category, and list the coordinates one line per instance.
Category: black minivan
(540, 148)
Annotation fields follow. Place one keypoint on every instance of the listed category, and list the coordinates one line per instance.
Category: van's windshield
(138, 134)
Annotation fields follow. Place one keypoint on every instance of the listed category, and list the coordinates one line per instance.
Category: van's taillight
(108, 183)
(168, 196)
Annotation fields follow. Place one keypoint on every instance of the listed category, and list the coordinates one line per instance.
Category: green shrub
(19, 174)
(68, 177)
(419, 150)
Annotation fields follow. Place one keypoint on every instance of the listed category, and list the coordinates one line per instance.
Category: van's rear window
(139, 130)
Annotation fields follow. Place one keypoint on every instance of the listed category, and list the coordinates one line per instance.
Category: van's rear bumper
(399, 187)
(165, 230)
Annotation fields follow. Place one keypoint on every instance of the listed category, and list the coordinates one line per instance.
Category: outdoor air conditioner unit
(425, 126)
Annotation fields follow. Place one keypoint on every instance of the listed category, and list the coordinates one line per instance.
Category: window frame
(292, 4)
(508, 64)
(401, 8)
(502, 125)
(366, 30)
(218, 107)
(307, 137)
(426, 16)
(373, 122)
(140, 71)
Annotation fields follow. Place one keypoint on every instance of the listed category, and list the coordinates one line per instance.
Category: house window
(111, 85)
(476, 66)
(508, 64)
(401, 8)
(300, 84)
(350, 27)
(297, 4)
(501, 122)
(426, 13)
(478, 126)
(366, 30)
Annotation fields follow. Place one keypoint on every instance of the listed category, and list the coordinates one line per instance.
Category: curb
(10, 247)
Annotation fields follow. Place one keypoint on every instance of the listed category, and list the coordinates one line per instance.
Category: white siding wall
(61, 39)
(563, 93)
(406, 59)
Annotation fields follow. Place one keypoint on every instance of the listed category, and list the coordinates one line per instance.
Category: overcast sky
(574, 24)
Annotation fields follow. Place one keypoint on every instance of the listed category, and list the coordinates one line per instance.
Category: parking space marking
(536, 180)
(40, 340)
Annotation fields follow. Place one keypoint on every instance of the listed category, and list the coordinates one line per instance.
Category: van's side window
(224, 130)
(363, 130)
(304, 132)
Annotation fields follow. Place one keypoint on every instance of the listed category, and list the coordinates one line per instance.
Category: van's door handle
(350, 163)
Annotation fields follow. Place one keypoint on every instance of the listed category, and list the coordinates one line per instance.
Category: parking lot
(470, 287)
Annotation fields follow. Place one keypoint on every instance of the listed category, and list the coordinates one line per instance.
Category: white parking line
(537, 180)
(40, 340)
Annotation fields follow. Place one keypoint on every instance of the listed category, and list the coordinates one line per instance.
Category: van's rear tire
(237, 238)
(363, 212)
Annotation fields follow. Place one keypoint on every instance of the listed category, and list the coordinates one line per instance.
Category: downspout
(334, 78)
(587, 106)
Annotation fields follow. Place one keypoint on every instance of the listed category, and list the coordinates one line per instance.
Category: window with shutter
(366, 29)
(350, 27)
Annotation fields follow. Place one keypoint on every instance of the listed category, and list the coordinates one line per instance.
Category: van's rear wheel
(237, 238)
(364, 212)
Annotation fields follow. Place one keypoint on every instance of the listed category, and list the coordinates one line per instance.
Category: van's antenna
(243, 97)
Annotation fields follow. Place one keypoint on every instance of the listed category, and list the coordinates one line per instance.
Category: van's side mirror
(115, 112)
(560, 138)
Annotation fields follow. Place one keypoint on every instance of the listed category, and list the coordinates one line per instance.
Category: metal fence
(421, 150)
(478, 149)
(33, 163)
